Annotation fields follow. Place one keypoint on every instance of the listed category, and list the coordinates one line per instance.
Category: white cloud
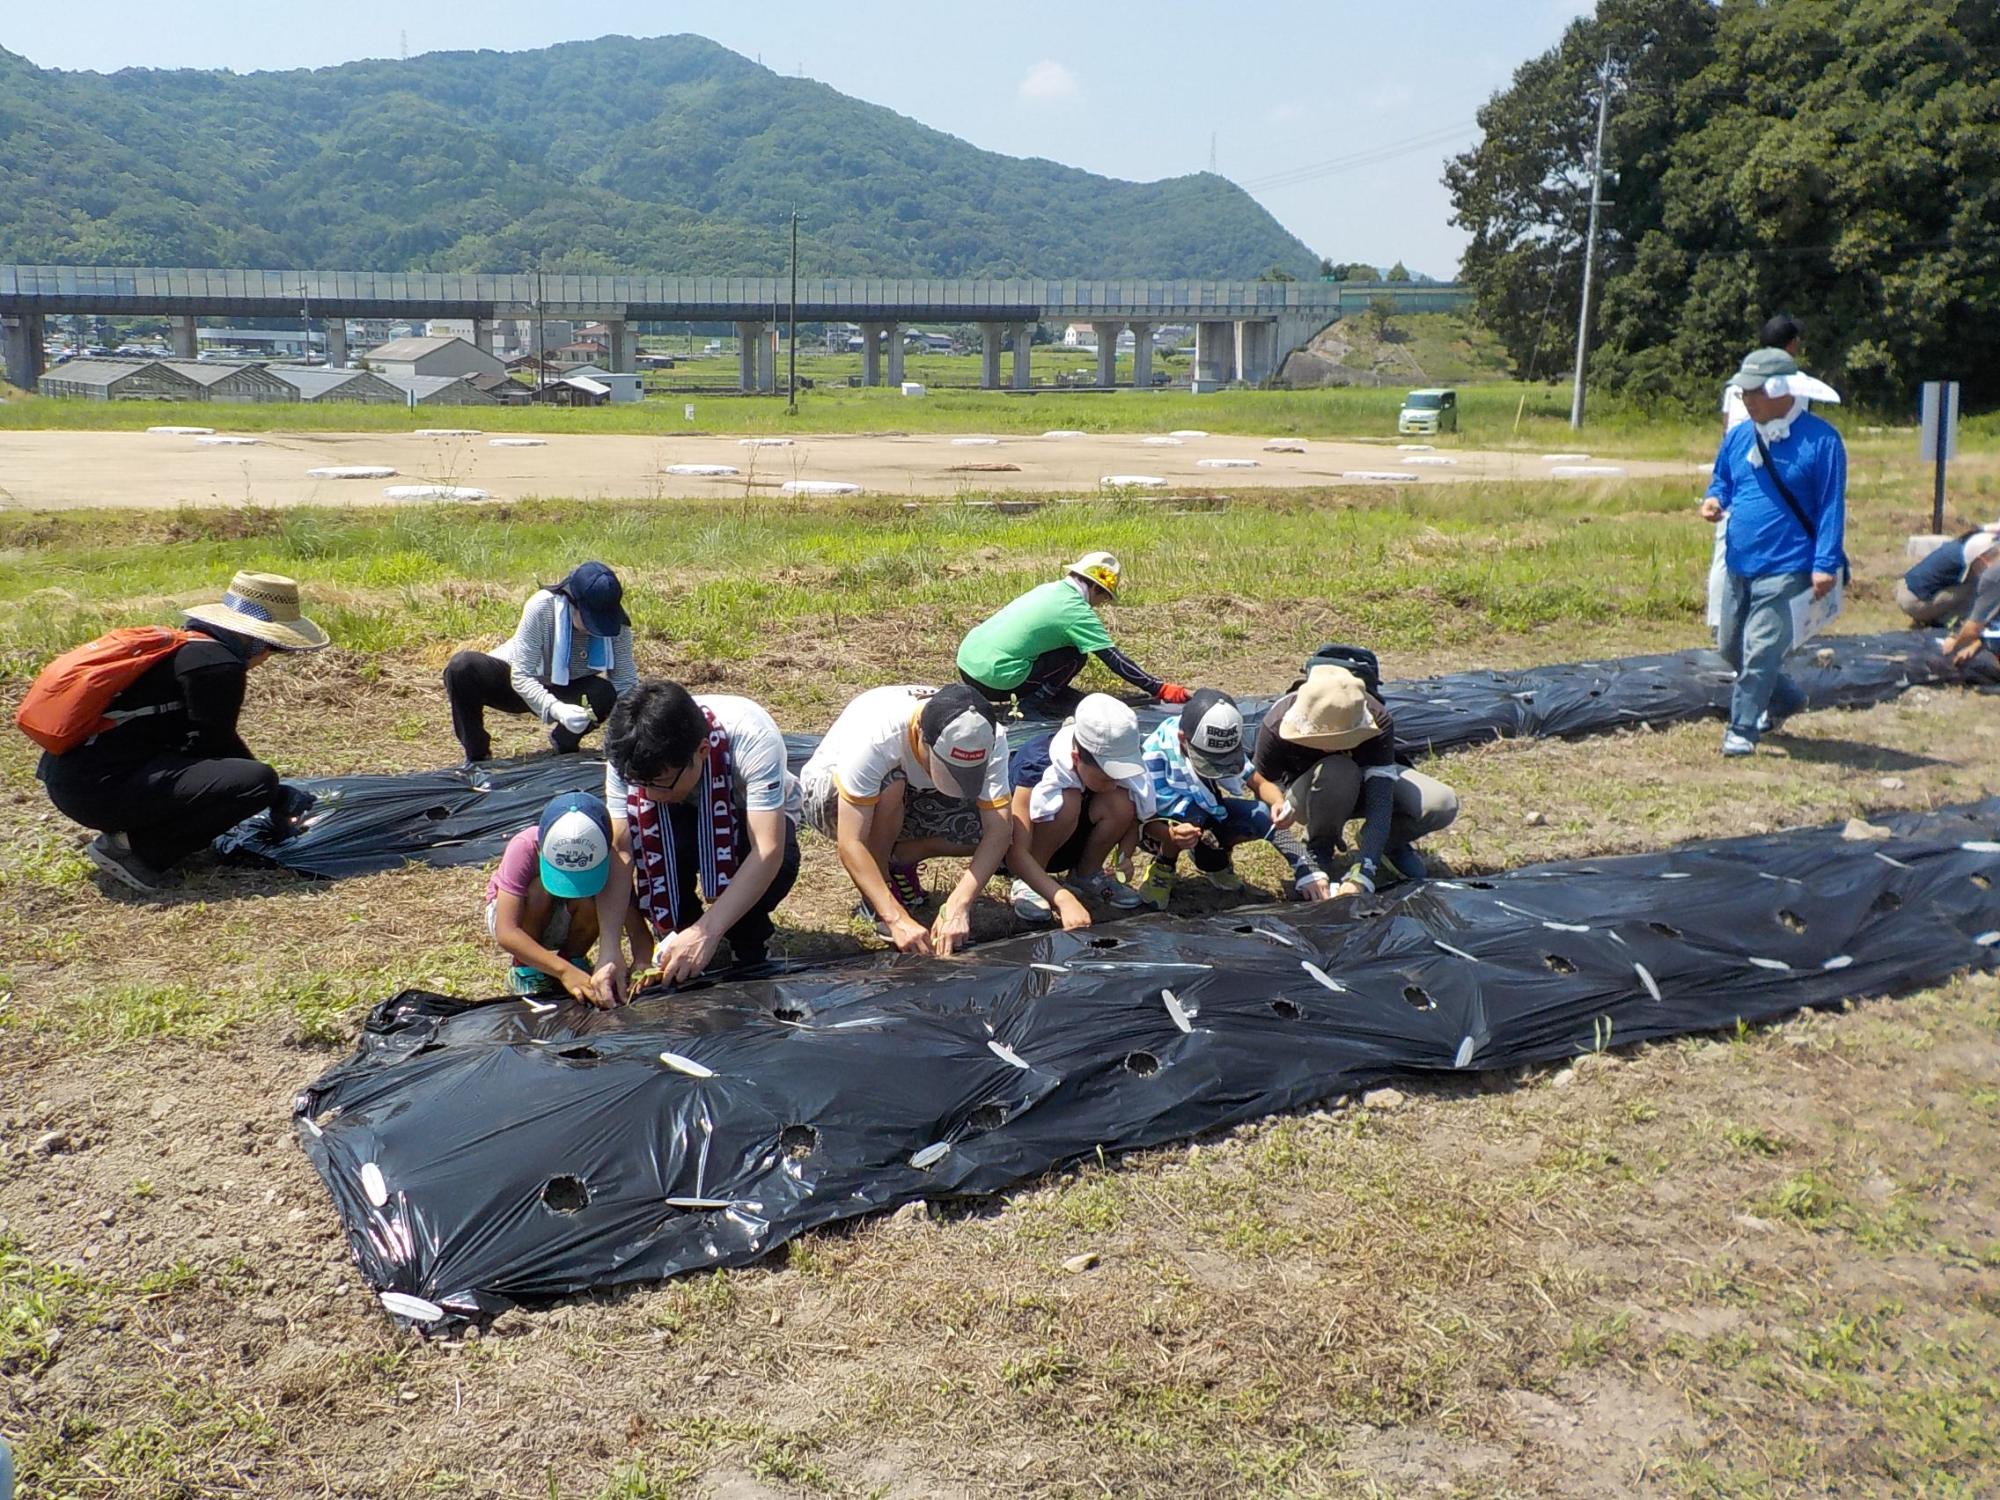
(1048, 82)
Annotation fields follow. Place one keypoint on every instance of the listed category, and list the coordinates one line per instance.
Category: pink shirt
(520, 866)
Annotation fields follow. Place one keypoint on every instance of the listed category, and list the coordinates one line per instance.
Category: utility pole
(541, 336)
(305, 319)
(792, 328)
(1590, 239)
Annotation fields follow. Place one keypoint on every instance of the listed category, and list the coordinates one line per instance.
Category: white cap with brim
(264, 607)
(1109, 730)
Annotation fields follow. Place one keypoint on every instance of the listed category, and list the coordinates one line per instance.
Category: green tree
(1838, 162)
(1398, 272)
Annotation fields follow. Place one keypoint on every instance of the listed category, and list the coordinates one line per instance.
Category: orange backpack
(71, 700)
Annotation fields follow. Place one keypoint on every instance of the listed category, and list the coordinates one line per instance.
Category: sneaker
(531, 983)
(906, 883)
(1734, 744)
(1224, 879)
(1404, 863)
(1108, 888)
(115, 858)
(863, 912)
(1157, 889)
(1029, 906)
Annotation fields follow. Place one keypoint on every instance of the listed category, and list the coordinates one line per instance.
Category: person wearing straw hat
(1034, 647)
(1781, 479)
(173, 772)
(566, 664)
(1332, 746)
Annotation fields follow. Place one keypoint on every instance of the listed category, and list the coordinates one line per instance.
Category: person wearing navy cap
(566, 664)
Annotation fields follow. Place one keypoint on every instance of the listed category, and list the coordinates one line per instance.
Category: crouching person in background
(1079, 795)
(705, 831)
(1332, 746)
(154, 759)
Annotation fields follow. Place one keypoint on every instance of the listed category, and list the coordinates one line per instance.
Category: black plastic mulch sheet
(368, 823)
(517, 1151)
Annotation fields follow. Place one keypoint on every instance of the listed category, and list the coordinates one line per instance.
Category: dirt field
(1752, 1264)
(65, 470)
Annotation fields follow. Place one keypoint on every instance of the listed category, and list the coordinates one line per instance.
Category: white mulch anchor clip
(1008, 1055)
(1320, 976)
(416, 1309)
(686, 1065)
(373, 1185)
(1181, 1015)
(931, 1155)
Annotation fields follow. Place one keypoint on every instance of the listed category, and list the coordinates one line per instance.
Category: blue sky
(1133, 90)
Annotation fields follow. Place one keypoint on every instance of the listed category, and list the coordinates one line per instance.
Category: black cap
(1212, 734)
(958, 727)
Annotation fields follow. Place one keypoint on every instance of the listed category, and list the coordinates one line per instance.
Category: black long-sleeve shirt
(198, 692)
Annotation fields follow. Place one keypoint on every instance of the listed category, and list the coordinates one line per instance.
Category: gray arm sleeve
(624, 665)
(534, 654)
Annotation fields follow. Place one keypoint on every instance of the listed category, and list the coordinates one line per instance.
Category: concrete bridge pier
(22, 334)
(181, 338)
(624, 350)
(1107, 351)
(767, 358)
(1214, 355)
(749, 340)
(871, 353)
(1142, 356)
(482, 334)
(892, 347)
(1024, 342)
(990, 337)
(336, 343)
(1256, 350)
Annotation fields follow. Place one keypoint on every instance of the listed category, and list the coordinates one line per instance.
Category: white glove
(574, 717)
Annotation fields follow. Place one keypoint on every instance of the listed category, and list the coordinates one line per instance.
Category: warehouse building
(233, 385)
(439, 390)
(433, 357)
(313, 385)
(118, 380)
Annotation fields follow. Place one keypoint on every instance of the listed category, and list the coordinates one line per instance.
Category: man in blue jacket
(1781, 479)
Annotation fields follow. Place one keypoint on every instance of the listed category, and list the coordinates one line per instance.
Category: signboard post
(1937, 439)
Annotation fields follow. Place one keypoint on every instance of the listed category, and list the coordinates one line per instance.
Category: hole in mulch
(1790, 920)
(1558, 964)
(987, 1117)
(1142, 1063)
(798, 1141)
(1481, 885)
(1985, 883)
(1418, 997)
(565, 1195)
(579, 1054)
(1107, 942)
(1664, 930)
(788, 1013)
(437, 814)
(1287, 1008)
(1887, 901)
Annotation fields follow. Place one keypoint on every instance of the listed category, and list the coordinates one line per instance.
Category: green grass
(722, 579)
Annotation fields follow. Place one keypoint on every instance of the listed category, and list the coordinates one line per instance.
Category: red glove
(1173, 692)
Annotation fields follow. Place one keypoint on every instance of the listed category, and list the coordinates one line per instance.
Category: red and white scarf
(656, 870)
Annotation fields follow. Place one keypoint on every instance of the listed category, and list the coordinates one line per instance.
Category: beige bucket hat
(1330, 712)
(265, 607)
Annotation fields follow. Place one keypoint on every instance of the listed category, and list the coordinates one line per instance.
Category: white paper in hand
(1810, 616)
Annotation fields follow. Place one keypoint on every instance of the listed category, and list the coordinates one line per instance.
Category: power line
(1374, 156)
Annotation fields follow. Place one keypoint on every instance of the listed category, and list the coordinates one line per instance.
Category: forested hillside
(665, 155)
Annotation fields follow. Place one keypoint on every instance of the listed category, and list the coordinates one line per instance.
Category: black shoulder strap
(1784, 492)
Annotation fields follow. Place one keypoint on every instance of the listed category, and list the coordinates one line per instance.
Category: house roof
(416, 348)
(210, 373)
(311, 384)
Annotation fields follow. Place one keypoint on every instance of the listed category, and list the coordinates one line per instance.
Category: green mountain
(664, 155)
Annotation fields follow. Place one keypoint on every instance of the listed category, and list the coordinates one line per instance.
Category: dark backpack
(1357, 659)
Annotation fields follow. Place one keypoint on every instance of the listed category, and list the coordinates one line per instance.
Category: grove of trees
(1838, 161)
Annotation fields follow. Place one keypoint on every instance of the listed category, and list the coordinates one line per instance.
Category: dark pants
(1046, 689)
(167, 807)
(1244, 820)
(750, 938)
(475, 682)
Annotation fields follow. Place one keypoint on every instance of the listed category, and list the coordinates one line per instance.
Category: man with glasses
(704, 825)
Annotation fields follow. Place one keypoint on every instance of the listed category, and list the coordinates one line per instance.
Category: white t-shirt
(876, 735)
(756, 748)
(1045, 798)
